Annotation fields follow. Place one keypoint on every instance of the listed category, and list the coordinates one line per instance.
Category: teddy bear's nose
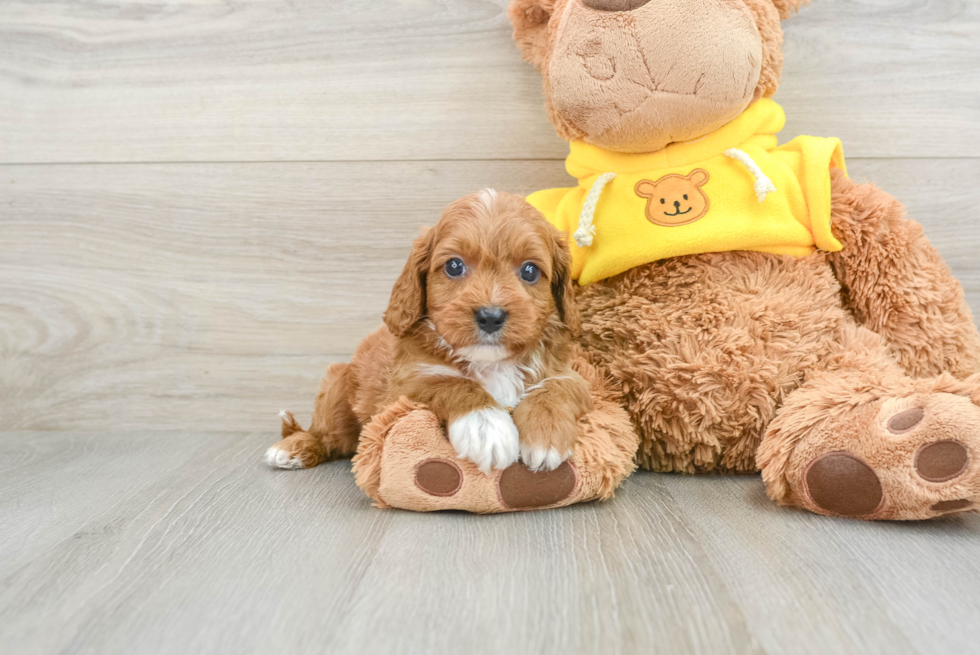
(614, 5)
(677, 204)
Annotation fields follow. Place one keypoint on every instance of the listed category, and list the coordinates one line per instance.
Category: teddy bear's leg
(865, 440)
(404, 460)
(896, 284)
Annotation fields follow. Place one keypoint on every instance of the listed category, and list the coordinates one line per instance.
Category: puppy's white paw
(542, 459)
(278, 458)
(486, 437)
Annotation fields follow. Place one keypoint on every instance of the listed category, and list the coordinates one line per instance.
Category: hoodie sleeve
(547, 202)
(811, 159)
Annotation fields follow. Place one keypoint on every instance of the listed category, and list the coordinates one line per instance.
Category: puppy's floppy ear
(407, 304)
(561, 285)
(530, 20)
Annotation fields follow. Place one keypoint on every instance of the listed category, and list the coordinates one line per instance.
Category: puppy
(478, 329)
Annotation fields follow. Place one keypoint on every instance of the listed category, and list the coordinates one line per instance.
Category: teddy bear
(745, 306)
(752, 307)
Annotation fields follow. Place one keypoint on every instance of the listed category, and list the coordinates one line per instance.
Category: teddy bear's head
(637, 75)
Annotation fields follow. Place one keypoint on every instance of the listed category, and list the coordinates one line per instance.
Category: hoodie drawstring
(586, 230)
(763, 185)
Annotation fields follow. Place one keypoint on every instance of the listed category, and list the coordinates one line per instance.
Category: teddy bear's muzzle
(669, 78)
(614, 5)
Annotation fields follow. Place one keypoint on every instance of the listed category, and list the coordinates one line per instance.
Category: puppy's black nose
(677, 204)
(490, 319)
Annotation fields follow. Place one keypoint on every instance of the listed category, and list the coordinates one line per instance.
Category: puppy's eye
(530, 272)
(455, 267)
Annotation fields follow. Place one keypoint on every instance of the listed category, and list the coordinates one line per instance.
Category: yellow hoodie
(734, 189)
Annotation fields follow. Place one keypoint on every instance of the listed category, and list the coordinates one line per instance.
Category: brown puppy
(478, 330)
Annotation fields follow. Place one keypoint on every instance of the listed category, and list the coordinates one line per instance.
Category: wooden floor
(204, 203)
(142, 542)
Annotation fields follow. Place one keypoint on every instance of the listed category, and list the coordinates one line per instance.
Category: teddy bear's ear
(645, 189)
(698, 177)
(530, 20)
(767, 14)
(787, 7)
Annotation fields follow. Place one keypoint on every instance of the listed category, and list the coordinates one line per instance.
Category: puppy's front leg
(547, 420)
(479, 429)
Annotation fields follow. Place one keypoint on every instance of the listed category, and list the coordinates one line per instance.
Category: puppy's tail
(289, 424)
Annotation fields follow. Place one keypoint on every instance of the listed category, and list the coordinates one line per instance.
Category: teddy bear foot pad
(917, 457)
(517, 486)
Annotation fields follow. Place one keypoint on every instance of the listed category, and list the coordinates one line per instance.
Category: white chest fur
(502, 380)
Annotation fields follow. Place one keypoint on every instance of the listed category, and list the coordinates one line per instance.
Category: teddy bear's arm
(896, 283)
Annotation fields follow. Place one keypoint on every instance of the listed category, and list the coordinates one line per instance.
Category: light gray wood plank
(901, 586)
(623, 577)
(215, 553)
(221, 554)
(875, 73)
(283, 80)
(212, 296)
(38, 511)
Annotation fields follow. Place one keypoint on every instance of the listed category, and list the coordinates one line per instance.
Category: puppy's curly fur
(502, 393)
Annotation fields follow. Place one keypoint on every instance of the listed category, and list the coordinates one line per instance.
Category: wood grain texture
(288, 80)
(211, 296)
(197, 547)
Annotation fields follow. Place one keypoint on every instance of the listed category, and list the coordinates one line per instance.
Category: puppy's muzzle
(490, 319)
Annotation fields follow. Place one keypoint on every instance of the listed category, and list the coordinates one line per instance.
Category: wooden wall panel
(140, 296)
(287, 80)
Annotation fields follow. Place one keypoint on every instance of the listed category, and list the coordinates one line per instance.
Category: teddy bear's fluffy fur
(708, 347)
(849, 379)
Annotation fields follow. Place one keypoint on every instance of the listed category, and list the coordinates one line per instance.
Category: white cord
(763, 185)
(586, 230)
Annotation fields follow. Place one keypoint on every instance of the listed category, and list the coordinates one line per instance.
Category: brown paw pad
(842, 484)
(941, 461)
(438, 477)
(951, 505)
(905, 421)
(521, 488)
